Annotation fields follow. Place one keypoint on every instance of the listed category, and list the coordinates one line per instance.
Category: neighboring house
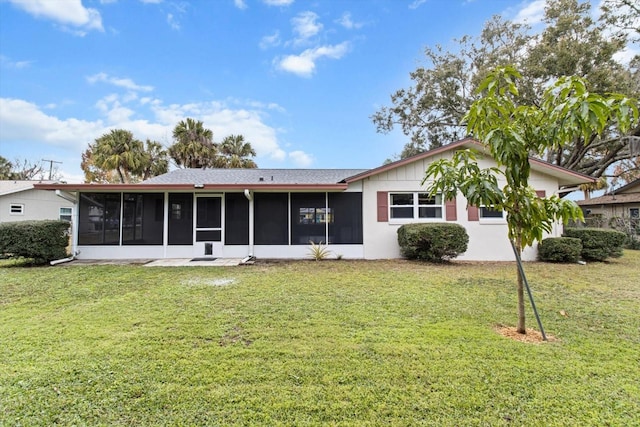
(275, 213)
(20, 201)
(623, 202)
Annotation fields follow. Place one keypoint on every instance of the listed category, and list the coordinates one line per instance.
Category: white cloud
(305, 63)
(66, 12)
(120, 82)
(416, 4)
(172, 21)
(270, 41)
(625, 56)
(22, 121)
(151, 1)
(7, 62)
(306, 25)
(240, 4)
(346, 21)
(278, 2)
(113, 109)
(301, 159)
(531, 14)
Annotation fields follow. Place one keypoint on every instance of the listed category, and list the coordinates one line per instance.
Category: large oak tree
(432, 109)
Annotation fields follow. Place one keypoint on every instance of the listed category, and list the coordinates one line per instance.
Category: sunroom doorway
(208, 233)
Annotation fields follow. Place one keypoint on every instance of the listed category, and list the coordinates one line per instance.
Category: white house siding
(38, 205)
(488, 239)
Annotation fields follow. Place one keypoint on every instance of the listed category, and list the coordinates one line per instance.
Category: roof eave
(191, 187)
(565, 176)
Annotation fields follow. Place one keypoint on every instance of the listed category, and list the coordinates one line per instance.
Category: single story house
(20, 201)
(275, 213)
(623, 202)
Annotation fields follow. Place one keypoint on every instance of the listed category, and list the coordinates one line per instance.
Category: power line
(51, 162)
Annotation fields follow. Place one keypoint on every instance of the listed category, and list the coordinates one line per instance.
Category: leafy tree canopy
(119, 157)
(511, 131)
(432, 111)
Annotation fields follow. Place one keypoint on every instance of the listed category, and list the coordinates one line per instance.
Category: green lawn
(318, 343)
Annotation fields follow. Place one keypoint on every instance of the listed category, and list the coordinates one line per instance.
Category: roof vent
(261, 179)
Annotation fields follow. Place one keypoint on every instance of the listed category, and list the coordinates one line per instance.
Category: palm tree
(237, 153)
(588, 188)
(118, 150)
(193, 146)
(156, 160)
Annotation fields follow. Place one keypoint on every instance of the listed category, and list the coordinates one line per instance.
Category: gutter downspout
(249, 196)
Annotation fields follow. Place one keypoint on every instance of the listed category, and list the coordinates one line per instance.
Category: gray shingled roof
(254, 176)
(14, 186)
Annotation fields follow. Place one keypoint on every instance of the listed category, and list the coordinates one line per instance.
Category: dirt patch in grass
(531, 337)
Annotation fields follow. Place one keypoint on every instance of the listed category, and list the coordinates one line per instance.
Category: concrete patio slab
(187, 262)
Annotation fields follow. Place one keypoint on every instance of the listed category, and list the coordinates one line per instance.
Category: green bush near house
(432, 242)
(560, 249)
(41, 241)
(598, 244)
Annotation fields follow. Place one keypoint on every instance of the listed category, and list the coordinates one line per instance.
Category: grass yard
(318, 343)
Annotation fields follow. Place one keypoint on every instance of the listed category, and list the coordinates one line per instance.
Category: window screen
(142, 219)
(236, 217)
(66, 214)
(271, 216)
(180, 219)
(309, 215)
(489, 212)
(99, 219)
(346, 225)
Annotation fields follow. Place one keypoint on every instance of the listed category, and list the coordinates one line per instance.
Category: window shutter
(450, 210)
(472, 213)
(541, 193)
(383, 206)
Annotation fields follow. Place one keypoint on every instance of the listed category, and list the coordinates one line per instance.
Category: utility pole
(51, 162)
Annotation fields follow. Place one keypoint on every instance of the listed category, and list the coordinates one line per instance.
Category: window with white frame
(16, 209)
(65, 214)
(415, 206)
(490, 213)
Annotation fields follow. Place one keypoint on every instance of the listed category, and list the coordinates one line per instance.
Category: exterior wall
(488, 239)
(38, 205)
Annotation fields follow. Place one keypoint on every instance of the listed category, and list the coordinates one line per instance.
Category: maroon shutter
(383, 206)
(450, 210)
(472, 213)
(541, 193)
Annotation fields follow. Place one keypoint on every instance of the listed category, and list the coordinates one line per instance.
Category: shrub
(318, 251)
(598, 244)
(560, 249)
(633, 243)
(435, 242)
(42, 241)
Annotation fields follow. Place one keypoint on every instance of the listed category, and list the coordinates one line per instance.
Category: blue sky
(299, 79)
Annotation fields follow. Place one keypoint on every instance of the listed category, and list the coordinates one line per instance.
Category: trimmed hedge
(598, 244)
(560, 249)
(435, 242)
(41, 241)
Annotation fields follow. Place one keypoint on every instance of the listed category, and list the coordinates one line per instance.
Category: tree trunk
(521, 317)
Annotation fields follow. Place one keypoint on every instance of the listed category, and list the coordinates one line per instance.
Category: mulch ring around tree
(531, 337)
